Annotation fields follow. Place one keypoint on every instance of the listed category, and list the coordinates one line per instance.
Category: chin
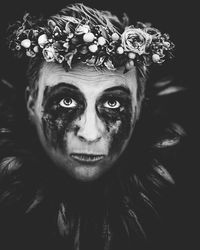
(86, 173)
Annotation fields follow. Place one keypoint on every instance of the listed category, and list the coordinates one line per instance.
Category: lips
(87, 158)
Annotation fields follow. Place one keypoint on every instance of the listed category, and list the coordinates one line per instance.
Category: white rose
(49, 53)
(135, 40)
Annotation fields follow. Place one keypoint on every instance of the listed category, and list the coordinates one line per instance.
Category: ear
(30, 103)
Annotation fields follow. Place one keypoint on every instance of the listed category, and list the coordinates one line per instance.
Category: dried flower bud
(26, 43)
(115, 37)
(36, 49)
(131, 55)
(42, 40)
(93, 48)
(88, 37)
(120, 50)
(155, 58)
(101, 41)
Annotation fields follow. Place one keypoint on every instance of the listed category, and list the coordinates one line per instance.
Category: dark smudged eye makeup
(66, 97)
(63, 96)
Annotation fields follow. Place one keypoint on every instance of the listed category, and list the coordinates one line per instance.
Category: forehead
(86, 78)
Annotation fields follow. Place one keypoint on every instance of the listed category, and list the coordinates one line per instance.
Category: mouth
(87, 158)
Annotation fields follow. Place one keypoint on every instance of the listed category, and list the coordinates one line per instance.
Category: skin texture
(84, 111)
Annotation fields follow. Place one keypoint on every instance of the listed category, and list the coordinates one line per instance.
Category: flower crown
(95, 45)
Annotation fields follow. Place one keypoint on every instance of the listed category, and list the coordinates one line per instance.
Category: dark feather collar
(124, 209)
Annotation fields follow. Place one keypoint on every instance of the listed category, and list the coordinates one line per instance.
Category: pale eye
(68, 103)
(112, 104)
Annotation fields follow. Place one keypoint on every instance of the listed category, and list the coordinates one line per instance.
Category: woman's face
(84, 117)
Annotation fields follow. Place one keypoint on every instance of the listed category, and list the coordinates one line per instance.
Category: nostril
(89, 132)
(88, 136)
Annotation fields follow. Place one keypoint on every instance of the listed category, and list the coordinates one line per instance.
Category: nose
(90, 127)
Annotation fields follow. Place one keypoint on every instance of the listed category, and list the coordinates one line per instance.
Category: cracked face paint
(84, 117)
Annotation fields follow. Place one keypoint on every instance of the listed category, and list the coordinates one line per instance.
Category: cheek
(56, 126)
(119, 130)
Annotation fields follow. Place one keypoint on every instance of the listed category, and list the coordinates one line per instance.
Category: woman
(82, 169)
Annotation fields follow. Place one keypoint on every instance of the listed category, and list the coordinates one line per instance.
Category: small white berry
(42, 40)
(26, 43)
(115, 36)
(36, 49)
(131, 55)
(120, 50)
(88, 37)
(155, 58)
(101, 40)
(93, 48)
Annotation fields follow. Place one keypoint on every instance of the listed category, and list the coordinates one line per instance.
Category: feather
(107, 235)
(170, 137)
(63, 224)
(77, 236)
(36, 201)
(164, 173)
(171, 90)
(10, 164)
(4, 130)
(5, 82)
(141, 230)
(167, 142)
(130, 220)
(149, 203)
(163, 82)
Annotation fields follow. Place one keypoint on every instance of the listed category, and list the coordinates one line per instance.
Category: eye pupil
(67, 101)
(112, 103)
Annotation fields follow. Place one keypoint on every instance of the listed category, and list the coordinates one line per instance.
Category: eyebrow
(118, 88)
(49, 90)
(61, 85)
(52, 90)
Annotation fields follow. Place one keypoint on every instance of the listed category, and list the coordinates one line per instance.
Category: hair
(95, 17)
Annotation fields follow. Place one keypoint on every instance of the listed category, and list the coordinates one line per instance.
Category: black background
(180, 20)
